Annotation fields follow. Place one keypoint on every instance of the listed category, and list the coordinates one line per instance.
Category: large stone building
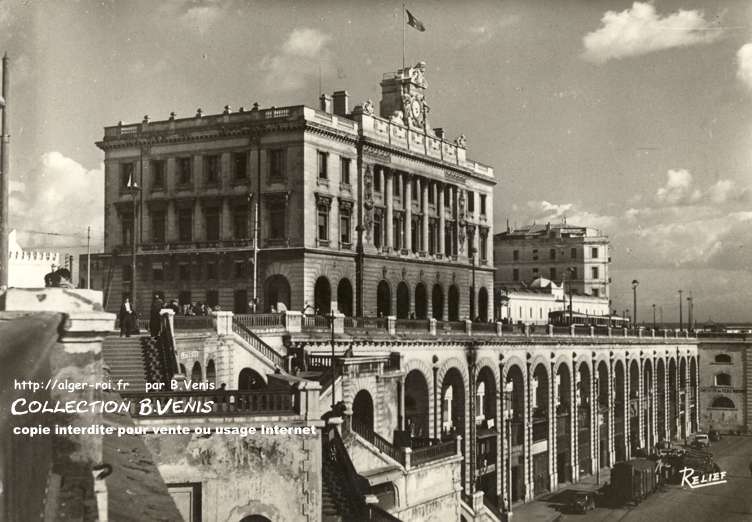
(578, 256)
(375, 213)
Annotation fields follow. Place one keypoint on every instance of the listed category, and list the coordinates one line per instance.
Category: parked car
(582, 502)
(701, 440)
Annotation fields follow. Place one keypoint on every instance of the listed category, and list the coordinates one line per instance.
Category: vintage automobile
(701, 440)
(582, 502)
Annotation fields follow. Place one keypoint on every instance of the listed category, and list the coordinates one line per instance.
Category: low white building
(26, 269)
(531, 304)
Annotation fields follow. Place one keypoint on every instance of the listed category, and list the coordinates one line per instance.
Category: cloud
(201, 17)
(298, 60)
(678, 189)
(547, 212)
(57, 186)
(640, 30)
(744, 60)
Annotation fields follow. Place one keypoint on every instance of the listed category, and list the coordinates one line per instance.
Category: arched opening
(421, 302)
(196, 372)
(453, 409)
(403, 301)
(539, 393)
(723, 402)
(416, 405)
(673, 403)
(620, 413)
(383, 299)
(437, 302)
(255, 518)
(485, 419)
(516, 385)
(583, 418)
(454, 303)
(602, 416)
(647, 403)
(182, 369)
(683, 406)
(563, 424)
(211, 372)
(250, 380)
(661, 399)
(345, 297)
(723, 358)
(276, 293)
(634, 407)
(483, 305)
(322, 296)
(362, 417)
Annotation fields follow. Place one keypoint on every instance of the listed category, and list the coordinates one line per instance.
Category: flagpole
(403, 34)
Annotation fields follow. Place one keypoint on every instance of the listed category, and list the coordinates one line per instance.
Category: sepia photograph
(386, 260)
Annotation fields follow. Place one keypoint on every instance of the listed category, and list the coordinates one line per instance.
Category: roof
(555, 229)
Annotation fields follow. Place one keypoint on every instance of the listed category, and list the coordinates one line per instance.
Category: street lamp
(681, 314)
(654, 325)
(635, 284)
(473, 251)
(134, 190)
(690, 306)
(570, 277)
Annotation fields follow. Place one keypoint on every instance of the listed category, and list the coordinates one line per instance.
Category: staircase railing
(433, 452)
(257, 344)
(353, 485)
(379, 442)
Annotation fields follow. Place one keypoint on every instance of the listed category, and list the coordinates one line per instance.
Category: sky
(631, 117)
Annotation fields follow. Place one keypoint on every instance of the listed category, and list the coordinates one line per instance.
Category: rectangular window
(158, 222)
(277, 164)
(515, 274)
(211, 164)
(535, 272)
(211, 270)
(239, 269)
(212, 223)
(430, 193)
(573, 273)
(323, 224)
(157, 272)
(345, 170)
(377, 180)
(396, 185)
(552, 254)
(470, 201)
(535, 254)
(516, 255)
(594, 253)
(127, 171)
(344, 229)
(240, 165)
(573, 253)
(323, 170)
(127, 273)
(470, 244)
(126, 223)
(185, 224)
(212, 298)
(414, 189)
(552, 274)
(240, 222)
(157, 174)
(277, 215)
(482, 204)
(184, 170)
(595, 292)
(377, 230)
(594, 272)
(483, 247)
(184, 273)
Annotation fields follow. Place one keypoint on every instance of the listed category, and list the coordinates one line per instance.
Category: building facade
(371, 214)
(27, 268)
(725, 377)
(572, 255)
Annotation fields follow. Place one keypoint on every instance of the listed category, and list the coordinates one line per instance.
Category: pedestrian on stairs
(155, 320)
(126, 317)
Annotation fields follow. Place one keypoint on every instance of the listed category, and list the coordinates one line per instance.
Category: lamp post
(508, 388)
(654, 325)
(690, 306)
(473, 251)
(570, 276)
(681, 314)
(635, 284)
(134, 189)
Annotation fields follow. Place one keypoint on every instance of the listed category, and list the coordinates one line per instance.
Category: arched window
(723, 379)
(196, 372)
(723, 402)
(211, 372)
(479, 399)
(723, 358)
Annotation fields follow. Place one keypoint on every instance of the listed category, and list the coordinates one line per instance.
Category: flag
(411, 20)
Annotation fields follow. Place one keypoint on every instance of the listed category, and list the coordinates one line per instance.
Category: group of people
(128, 316)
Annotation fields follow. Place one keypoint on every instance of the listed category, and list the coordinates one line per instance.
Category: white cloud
(721, 191)
(678, 189)
(298, 60)
(640, 30)
(547, 212)
(201, 17)
(57, 186)
(744, 60)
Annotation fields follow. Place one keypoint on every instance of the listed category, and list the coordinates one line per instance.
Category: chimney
(341, 99)
(325, 103)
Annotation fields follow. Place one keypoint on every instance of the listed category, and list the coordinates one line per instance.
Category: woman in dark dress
(126, 317)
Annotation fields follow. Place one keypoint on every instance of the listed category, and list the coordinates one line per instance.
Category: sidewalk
(544, 507)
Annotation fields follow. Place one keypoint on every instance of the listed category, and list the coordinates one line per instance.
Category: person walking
(125, 316)
(155, 320)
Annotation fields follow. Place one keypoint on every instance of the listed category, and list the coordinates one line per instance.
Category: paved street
(730, 502)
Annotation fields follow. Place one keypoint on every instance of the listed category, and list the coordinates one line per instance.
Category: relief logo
(689, 478)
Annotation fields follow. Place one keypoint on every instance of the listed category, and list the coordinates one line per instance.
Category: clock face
(416, 109)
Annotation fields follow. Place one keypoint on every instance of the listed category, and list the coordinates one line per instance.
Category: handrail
(193, 322)
(379, 442)
(212, 403)
(335, 456)
(251, 338)
(261, 320)
(433, 452)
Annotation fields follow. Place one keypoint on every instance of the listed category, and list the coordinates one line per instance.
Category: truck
(633, 480)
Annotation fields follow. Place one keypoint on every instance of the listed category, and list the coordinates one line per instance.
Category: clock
(416, 109)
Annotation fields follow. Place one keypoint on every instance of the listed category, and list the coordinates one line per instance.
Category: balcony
(192, 246)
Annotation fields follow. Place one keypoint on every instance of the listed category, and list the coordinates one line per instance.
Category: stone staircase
(127, 359)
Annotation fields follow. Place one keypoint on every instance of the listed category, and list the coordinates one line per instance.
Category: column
(641, 413)
(553, 397)
(226, 223)
(442, 219)
(424, 184)
(501, 470)
(407, 244)
(198, 231)
(527, 447)
(171, 226)
(595, 427)
(627, 412)
(611, 407)
(456, 228)
(389, 202)
(653, 405)
(666, 403)
(697, 392)
(401, 398)
(575, 409)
